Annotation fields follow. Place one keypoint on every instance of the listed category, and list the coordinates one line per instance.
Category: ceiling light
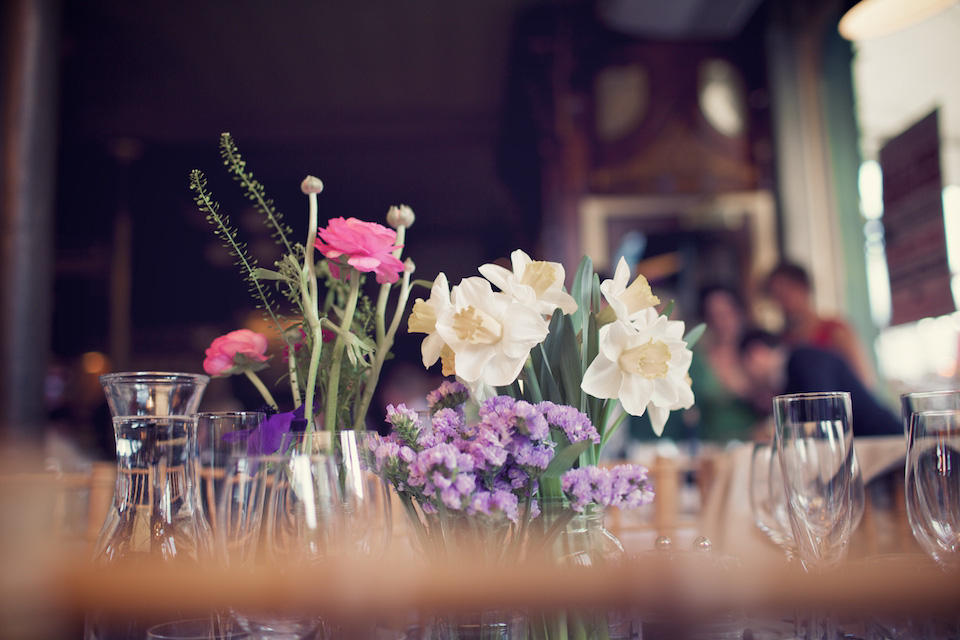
(875, 18)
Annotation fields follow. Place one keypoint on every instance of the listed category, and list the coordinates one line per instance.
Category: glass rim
(811, 395)
(188, 629)
(282, 457)
(937, 412)
(229, 414)
(154, 376)
(929, 394)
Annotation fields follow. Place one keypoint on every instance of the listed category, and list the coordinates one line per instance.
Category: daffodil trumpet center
(423, 318)
(539, 276)
(448, 365)
(650, 359)
(638, 296)
(476, 327)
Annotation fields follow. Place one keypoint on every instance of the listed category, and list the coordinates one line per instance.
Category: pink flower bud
(234, 352)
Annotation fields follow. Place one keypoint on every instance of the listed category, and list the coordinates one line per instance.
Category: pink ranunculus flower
(366, 246)
(235, 351)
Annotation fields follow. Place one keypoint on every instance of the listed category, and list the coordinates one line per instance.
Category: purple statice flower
(390, 459)
(586, 486)
(501, 406)
(495, 503)
(405, 424)
(447, 425)
(534, 506)
(444, 473)
(455, 492)
(631, 485)
(533, 456)
(575, 424)
(624, 486)
(530, 420)
(449, 395)
(488, 446)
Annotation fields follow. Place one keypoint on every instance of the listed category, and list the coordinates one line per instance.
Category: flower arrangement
(542, 377)
(463, 481)
(534, 341)
(529, 339)
(337, 338)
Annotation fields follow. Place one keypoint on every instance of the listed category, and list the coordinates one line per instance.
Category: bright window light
(870, 185)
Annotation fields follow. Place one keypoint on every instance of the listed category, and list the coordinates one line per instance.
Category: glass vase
(581, 540)
(155, 516)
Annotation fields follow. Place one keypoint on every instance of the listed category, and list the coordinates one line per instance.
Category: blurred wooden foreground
(48, 522)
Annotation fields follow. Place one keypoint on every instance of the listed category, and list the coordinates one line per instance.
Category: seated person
(776, 369)
(790, 287)
(720, 386)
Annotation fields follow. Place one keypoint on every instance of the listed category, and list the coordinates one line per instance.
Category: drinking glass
(919, 401)
(243, 541)
(767, 499)
(814, 435)
(815, 440)
(193, 629)
(912, 404)
(221, 438)
(365, 501)
(933, 484)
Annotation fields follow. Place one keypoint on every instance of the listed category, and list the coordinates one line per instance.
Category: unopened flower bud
(401, 215)
(311, 184)
(408, 265)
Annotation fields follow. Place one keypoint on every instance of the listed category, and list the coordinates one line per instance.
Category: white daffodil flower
(535, 283)
(625, 298)
(490, 333)
(645, 364)
(423, 319)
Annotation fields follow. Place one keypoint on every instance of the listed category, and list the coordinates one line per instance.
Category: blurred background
(703, 140)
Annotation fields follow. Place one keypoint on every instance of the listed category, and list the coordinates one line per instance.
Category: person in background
(719, 382)
(790, 287)
(782, 369)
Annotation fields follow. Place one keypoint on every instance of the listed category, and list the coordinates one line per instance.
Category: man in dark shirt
(776, 369)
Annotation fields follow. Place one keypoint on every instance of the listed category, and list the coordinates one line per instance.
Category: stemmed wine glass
(920, 401)
(933, 484)
(911, 405)
(814, 435)
(767, 498)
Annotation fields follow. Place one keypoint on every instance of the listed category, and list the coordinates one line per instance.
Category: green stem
(535, 394)
(292, 374)
(262, 388)
(311, 311)
(414, 518)
(384, 344)
(608, 431)
(333, 380)
(317, 342)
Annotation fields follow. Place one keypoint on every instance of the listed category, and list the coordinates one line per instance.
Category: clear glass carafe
(155, 514)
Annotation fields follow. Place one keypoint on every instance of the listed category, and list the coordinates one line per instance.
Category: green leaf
(267, 274)
(596, 293)
(668, 310)
(694, 335)
(609, 431)
(568, 357)
(565, 458)
(581, 291)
